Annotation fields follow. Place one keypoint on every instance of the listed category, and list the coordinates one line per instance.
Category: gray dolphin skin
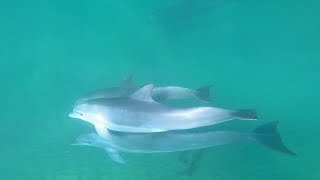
(140, 113)
(176, 92)
(127, 88)
(173, 141)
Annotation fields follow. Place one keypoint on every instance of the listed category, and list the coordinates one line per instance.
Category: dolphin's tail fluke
(245, 114)
(203, 94)
(269, 136)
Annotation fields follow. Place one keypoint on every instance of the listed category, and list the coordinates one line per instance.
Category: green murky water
(262, 55)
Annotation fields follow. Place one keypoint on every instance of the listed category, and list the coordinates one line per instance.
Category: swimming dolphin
(173, 141)
(127, 88)
(140, 113)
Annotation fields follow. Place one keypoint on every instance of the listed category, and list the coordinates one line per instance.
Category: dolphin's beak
(74, 115)
(79, 144)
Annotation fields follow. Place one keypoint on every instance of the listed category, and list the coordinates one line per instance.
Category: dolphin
(184, 140)
(140, 113)
(127, 88)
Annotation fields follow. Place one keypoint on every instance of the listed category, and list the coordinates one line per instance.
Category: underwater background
(255, 54)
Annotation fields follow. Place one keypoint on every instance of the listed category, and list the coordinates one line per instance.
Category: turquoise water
(262, 55)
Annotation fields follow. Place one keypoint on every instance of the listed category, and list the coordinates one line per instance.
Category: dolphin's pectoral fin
(103, 132)
(114, 155)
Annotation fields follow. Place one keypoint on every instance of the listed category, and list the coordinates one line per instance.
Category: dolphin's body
(127, 88)
(173, 141)
(113, 92)
(140, 113)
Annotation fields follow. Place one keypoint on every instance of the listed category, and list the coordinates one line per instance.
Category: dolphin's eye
(80, 113)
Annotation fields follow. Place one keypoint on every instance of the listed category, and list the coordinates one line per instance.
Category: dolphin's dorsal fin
(144, 94)
(127, 82)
